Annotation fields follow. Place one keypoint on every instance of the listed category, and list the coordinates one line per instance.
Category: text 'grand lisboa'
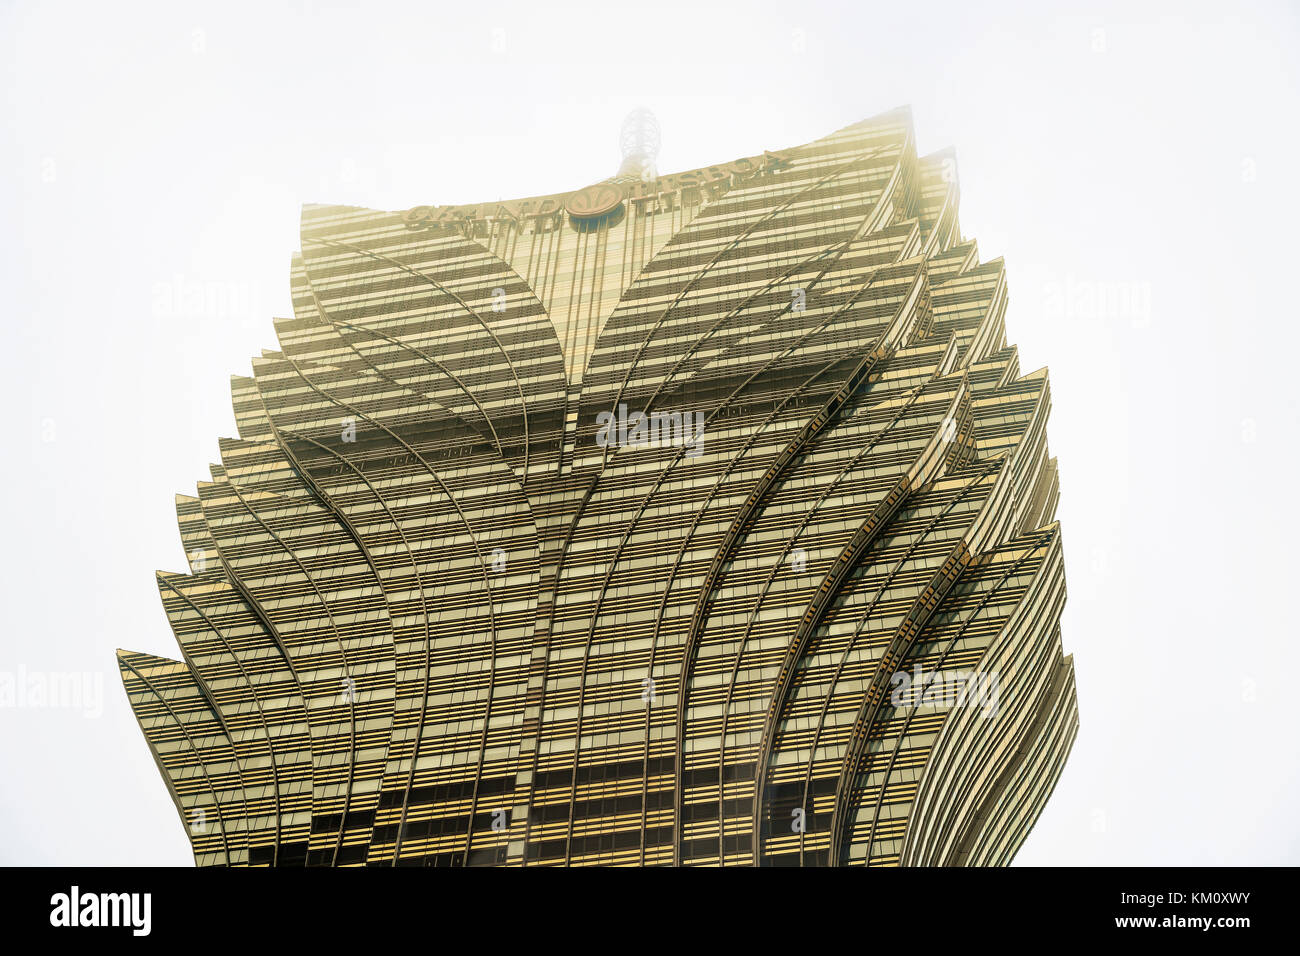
(703, 518)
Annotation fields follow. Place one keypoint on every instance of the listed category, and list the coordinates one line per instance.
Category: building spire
(639, 141)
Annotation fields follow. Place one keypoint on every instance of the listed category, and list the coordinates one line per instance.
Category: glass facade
(695, 519)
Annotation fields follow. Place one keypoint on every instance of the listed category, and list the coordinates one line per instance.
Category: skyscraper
(703, 518)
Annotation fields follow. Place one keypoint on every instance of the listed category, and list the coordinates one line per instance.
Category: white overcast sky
(1134, 163)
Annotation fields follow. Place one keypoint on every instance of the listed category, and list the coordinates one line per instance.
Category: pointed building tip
(898, 113)
(318, 210)
(143, 659)
(902, 109)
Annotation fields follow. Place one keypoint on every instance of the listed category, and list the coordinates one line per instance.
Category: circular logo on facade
(594, 201)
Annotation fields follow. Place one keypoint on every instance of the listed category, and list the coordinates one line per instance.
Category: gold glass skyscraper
(692, 519)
